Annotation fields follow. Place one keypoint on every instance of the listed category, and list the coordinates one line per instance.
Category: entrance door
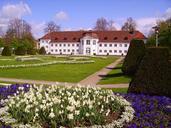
(88, 51)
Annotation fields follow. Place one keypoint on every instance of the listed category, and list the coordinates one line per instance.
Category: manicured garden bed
(150, 111)
(58, 72)
(115, 77)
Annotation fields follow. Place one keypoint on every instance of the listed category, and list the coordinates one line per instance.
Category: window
(82, 42)
(73, 50)
(42, 41)
(105, 51)
(64, 45)
(56, 45)
(115, 38)
(126, 38)
(52, 50)
(120, 51)
(52, 45)
(100, 45)
(60, 50)
(115, 51)
(94, 42)
(60, 45)
(64, 50)
(73, 45)
(77, 45)
(56, 50)
(46, 46)
(115, 45)
(110, 45)
(120, 45)
(68, 45)
(105, 38)
(100, 50)
(68, 50)
(65, 38)
(74, 38)
(77, 50)
(125, 45)
(56, 38)
(105, 45)
(110, 51)
(39, 44)
(125, 51)
(88, 42)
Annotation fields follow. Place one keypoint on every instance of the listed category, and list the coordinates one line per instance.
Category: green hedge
(21, 50)
(42, 51)
(31, 51)
(134, 56)
(154, 73)
(6, 51)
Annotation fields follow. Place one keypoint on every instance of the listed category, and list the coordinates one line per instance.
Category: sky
(79, 14)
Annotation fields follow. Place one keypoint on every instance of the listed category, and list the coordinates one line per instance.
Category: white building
(89, 42)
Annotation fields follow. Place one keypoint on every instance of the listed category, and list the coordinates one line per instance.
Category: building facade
(88, 42)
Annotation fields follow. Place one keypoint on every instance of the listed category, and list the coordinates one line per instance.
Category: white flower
(70, 116)
(51, 115)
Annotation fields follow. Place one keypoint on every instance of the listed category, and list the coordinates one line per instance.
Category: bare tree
(111, 26)
(129, 25)
(101, 24)
(51, 27)
(18, 28)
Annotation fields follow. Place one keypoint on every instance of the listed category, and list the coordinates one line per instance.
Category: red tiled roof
(103, 36)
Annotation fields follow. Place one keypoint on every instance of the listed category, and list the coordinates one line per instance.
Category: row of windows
(115, 45)
(115, 51)
(56, 45)
(64, 50)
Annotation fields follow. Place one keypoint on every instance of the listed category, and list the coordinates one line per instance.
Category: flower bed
(23, 59)
(45, 64)
(55, 106)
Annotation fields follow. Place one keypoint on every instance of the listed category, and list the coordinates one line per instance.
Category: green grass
(58, 72)
(115, 77)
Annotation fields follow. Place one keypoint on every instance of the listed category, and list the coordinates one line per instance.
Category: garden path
(97, 76)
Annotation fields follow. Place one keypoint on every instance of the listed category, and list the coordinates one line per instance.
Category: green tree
(1, 42)
(42, 51)
(6, 51)
(21, 50)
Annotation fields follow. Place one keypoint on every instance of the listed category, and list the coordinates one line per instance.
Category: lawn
(58, 72)
(115, 77)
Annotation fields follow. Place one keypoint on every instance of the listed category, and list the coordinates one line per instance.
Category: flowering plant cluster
(55, 106)
(45, 64)
(23, 59)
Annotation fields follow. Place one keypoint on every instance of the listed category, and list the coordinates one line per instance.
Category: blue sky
(76, 14)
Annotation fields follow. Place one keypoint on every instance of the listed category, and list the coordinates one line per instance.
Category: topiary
(6, 51)
(42, 51)
(31, 51)
(134, 56)
(154, 74)
(21, 50)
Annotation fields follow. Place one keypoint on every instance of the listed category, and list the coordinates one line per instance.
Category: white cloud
(61, 16)
(167, 13)
(11, 11)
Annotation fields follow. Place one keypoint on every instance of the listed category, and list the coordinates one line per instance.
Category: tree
(51, 27)
(42, 51)
(21, 50)
(6, 51)
(129, 25)
(111, 26)
(101, 24)
(1, 42)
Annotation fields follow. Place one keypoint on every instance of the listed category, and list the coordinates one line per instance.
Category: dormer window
(65, 38)
(126, 38)
(56, 38)
(115, 38)
(74, 38)
(105, 38)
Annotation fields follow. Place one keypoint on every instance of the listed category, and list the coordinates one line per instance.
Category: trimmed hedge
(154, 74)
(6, 51)
(21, 50)
(42, 51)
(134, 56)
(31, 51)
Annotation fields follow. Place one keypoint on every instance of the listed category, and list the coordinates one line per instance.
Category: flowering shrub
(45, 64)
(55, 106)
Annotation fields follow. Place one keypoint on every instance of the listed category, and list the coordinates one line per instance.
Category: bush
(6, 51)
(21, 50)
(31, 51)
(42, 51)
(134, 56)
(154, 74)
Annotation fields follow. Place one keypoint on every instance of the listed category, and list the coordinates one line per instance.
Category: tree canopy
(51, 27)
(129, 25)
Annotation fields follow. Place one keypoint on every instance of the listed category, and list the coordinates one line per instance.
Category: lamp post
(156, 29)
